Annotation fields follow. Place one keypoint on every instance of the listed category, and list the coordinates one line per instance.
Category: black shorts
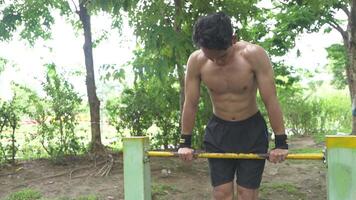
(245, 136)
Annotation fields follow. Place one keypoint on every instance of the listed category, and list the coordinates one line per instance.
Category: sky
(65, 50)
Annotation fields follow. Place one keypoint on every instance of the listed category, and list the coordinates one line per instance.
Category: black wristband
(280, 141)
(185, 141)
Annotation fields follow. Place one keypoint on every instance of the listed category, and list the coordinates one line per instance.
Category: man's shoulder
(197, 59)
(197, 56)
(248, 49)
(253, 53)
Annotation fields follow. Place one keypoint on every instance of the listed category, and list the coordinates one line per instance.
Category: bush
(148, 104)
(313, 115)
(26, 194)
(56, 115)
(10, 113)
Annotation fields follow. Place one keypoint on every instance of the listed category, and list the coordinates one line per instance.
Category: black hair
(213, 31)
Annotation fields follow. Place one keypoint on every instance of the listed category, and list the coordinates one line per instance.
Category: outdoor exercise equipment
(340, 158)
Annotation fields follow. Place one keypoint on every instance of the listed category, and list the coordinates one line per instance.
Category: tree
(34, 19)
(296, 16)
(166, 43)
(2, 64)
(132, 111)
(166, 36)
(94, 103)
(55, 112)
(10, 113)
(337, 57)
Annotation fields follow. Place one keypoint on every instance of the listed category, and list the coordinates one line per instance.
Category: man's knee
(246, 194)
(224, 192)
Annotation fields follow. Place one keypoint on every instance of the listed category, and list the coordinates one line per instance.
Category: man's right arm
(192, 93)
(190, 107)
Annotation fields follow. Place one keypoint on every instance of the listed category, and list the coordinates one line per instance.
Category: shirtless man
(232, 71)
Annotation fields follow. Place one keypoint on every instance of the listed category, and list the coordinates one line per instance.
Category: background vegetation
(152, 104)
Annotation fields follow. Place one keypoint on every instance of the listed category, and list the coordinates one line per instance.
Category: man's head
(213, 32)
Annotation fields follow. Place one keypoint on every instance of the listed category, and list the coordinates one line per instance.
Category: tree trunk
(179, 67)
(181, 76)
(352, 60)
(348, 70)
(13, 146)
(94, 103)
(349, 80)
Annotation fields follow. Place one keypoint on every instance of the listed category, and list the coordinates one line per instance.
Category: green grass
(26, 194)
(319, 138)
(159, 191)
(79, 198)
(29, 194)
(287, 189)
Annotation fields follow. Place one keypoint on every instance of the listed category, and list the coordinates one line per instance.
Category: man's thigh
(249, 173)
(221, 171)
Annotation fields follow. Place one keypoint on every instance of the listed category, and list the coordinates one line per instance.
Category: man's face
(217, 56)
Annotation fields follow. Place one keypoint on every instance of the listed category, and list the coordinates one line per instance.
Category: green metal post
(341, 159)
(137, 177)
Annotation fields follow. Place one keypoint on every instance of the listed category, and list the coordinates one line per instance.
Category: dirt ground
(292, 180)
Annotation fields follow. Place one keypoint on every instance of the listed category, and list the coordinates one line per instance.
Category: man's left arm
(267, 89)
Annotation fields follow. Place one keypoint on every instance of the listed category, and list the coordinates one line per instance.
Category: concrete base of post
(137, 173)
(341, 161)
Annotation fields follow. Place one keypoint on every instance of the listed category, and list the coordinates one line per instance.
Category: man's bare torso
(232, 85)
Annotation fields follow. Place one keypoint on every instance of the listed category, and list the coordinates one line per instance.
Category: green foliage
(166, 44)
(166, 113)
(132, 111)
(312, 115)
(152, 103)
(285, 76)
(10, 113)
(4, 122)
(111, 72)
(4, 117)
(26, 194)
(338, 61)
(295, 17)
(147, 103)
(315, 115)
(2, 64)
(166, 36)
(110, 6)
(33, 18)
(56, 115)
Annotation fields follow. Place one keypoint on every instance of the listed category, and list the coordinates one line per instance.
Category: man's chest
(234, 78)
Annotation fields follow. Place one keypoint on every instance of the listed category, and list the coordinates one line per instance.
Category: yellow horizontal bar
(301, 156)
(134, 138)
(232, 155)
(335, 141)
(306, 156)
